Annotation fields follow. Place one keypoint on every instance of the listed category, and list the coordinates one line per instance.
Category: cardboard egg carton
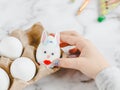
(30, 40)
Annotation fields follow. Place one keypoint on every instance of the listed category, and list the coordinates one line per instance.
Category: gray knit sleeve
(108, 79)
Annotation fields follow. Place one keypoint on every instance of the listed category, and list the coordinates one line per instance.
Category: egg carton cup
(30, 40)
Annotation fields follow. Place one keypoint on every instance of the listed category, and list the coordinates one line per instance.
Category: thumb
(73, 63)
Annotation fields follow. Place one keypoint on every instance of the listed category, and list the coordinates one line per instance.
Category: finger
(75, 41)
(73, 63)
(69, 39)
(72, 33)
(69, 33)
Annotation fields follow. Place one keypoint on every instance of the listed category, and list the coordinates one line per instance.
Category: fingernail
(54, 63)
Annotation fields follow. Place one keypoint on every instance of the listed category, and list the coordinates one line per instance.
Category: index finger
(79, 42)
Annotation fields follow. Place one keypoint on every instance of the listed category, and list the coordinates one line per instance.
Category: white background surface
(59, 15)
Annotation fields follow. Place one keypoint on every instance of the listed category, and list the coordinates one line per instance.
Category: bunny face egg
(23, 68)
(48, 50)
(11, 47)
(4, 80)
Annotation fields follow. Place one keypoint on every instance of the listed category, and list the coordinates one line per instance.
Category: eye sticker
(52, 53)
(45, 52)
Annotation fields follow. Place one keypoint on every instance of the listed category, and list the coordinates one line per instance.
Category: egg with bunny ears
(11, 47)
(48, 49)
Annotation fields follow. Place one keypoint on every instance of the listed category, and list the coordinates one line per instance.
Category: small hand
(90, 61)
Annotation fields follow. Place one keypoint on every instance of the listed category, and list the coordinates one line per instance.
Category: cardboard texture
(30, 39)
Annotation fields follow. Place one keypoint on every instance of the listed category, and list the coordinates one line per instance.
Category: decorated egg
(4, 80)
(11, 47)
(23, 68)
(48, 49)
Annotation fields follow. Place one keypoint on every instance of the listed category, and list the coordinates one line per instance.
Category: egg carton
(30, 40)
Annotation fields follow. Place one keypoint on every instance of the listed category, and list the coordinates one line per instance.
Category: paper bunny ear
(57, 37)
(44, 36)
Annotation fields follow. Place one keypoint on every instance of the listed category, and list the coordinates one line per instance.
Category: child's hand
(90, 61)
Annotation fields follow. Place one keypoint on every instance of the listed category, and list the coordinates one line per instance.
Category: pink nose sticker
(47, 62)
(48, 56)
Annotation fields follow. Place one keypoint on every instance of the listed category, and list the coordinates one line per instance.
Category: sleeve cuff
(108, 79)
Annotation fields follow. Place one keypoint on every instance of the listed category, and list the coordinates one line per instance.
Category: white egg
(11, 47)
(4, 80)
(23, 68)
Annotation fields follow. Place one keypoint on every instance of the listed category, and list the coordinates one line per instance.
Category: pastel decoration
(48, 49)
(107, 6)
(11, 47)
(4, 80)
(23, 68)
